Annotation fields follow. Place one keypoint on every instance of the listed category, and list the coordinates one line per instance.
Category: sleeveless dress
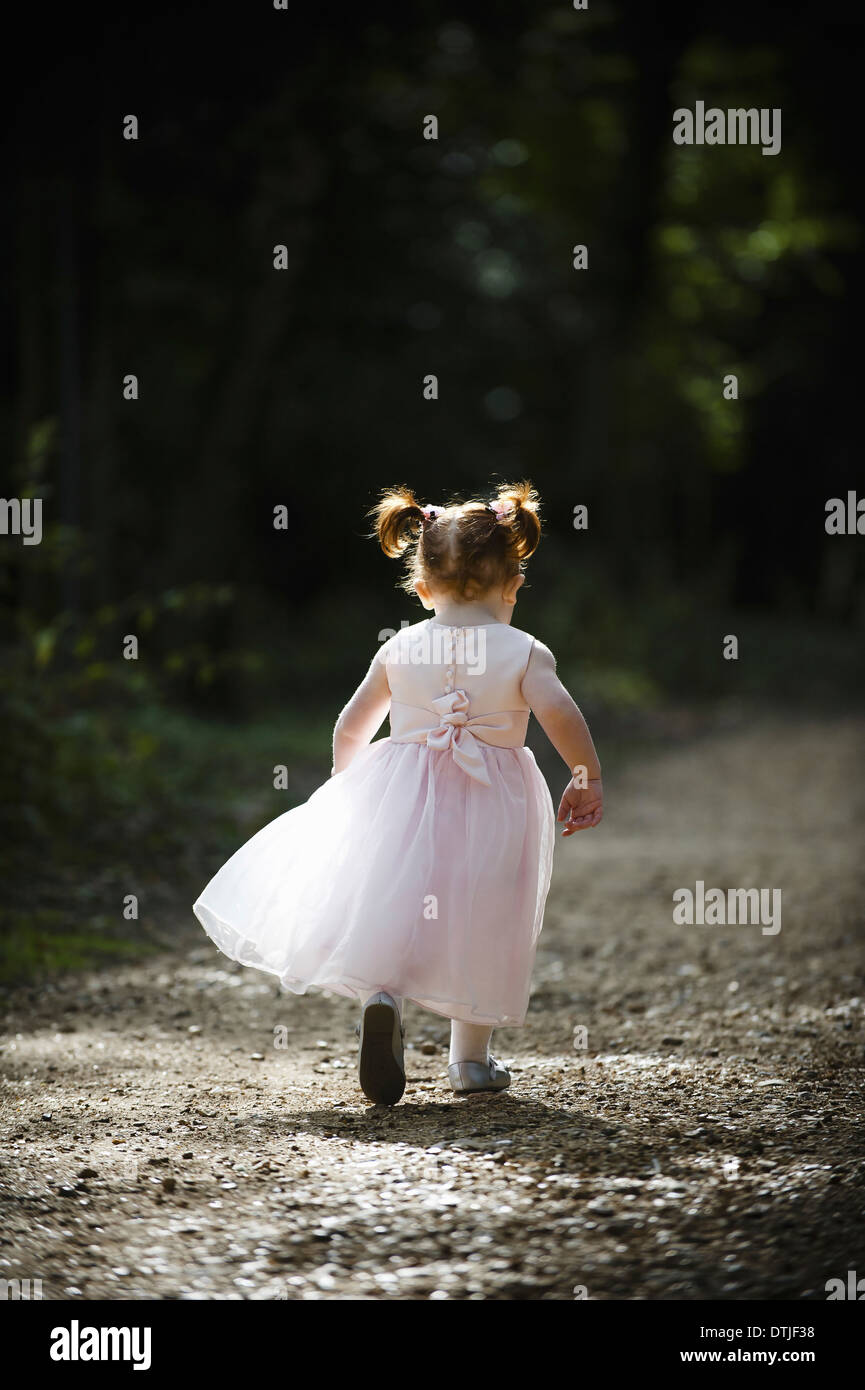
(423, 868)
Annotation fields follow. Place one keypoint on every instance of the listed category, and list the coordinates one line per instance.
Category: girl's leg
(470, 1042)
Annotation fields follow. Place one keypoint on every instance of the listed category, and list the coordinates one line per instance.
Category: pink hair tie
(502, 508)
(432, 513)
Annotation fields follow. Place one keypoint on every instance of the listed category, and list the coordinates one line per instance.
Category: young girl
(421, 869)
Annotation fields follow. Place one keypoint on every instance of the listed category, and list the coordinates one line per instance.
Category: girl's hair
(465, 548)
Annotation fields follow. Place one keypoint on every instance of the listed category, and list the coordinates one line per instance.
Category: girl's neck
(453, 614)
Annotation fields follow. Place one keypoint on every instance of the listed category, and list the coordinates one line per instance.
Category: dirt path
(704, 1143)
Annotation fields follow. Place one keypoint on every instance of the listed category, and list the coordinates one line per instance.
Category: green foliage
(37, 942)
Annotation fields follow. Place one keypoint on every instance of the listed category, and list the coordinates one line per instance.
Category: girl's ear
(423, 593)
(509, 592)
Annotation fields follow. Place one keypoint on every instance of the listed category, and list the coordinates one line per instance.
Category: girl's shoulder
(518, 632)
(535, 648)
(516, 636)
(406, 639)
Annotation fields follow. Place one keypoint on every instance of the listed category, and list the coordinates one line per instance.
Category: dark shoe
(478, 1076)
(380, 1065)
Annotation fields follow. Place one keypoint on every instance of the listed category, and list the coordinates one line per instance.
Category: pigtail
(522, 501)
(398, 520)
(464, 547)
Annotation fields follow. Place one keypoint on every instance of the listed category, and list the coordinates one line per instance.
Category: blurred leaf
(44, 644)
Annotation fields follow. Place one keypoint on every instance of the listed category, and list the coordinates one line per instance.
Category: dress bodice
(452, 686)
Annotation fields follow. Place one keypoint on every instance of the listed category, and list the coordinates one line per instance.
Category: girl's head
(467, 551)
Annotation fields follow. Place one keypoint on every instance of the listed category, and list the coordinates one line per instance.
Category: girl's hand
(581, 807)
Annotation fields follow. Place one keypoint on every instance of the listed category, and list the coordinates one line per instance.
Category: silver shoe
(380, 1063)
(478, 1076)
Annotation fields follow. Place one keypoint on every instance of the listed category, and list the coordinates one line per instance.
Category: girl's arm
(568, 732)
(362, 716)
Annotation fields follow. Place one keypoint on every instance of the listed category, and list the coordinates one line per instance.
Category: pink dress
(423, 868)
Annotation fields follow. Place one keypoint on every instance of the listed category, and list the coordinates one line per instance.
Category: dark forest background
(303, 387)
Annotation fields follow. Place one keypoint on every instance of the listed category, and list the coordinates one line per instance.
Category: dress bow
(453, 733)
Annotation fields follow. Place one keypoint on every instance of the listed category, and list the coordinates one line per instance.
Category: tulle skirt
(401, 873)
